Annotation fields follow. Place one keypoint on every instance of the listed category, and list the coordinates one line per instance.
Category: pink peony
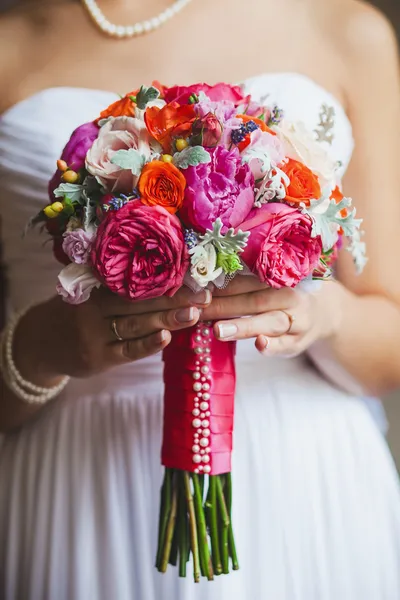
(77, 245)
(74, 153)
(280, 250)
(223, 188)
(218, 92)
(121, 133)
(76, 282)
(140, 252)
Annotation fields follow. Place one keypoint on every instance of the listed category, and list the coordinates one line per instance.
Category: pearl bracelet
(23, 389)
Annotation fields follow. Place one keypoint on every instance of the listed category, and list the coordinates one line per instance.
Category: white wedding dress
(316, 498)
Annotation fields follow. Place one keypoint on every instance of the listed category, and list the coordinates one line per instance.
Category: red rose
(140, 252)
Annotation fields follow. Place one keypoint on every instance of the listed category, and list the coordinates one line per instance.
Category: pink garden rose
(218, 92)
(140, 252)
(222, 188)
(280, 250)
(210, 129)
(74, 153)
(76, 282)
(77, 245)
(120, 133)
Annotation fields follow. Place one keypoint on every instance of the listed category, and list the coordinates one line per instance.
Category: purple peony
(223, 188)
(74, 153)
(77, 245)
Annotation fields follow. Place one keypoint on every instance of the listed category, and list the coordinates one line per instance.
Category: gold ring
(115, 330)
(291, 321)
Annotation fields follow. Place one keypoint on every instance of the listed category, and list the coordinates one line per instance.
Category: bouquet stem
(190, 526)
(196, 496)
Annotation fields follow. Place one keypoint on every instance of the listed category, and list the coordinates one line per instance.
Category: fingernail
(185, 315)
(163, 336)
(203, 297)
(264, 343)
(226, 330)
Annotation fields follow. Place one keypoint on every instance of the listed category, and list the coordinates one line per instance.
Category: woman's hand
(84, 340)
(284, 322)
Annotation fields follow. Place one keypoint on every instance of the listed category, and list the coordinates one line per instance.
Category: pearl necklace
(122, 31)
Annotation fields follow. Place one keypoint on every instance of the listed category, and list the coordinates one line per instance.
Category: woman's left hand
(284, 322)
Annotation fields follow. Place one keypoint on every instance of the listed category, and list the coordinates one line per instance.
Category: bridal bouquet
(191, 186)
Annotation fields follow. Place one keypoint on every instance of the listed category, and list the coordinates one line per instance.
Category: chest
(208, 41)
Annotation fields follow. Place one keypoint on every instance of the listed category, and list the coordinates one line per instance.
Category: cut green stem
(205, 556)
(231, 538)
(169, 534)
(183, 538)
(164, 513)
(224, 522)
(193, 527)
(211, 505)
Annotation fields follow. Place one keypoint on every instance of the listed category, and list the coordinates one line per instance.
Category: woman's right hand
(56, 338)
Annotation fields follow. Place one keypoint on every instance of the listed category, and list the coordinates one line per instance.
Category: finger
(241, 285)
(137, 326)
(132, 350)
(254, 303)
(285, 346)
(113, 305)
(274, 324)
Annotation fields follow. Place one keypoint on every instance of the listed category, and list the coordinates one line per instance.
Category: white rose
(301, 145)
(76, 282)
(203, 264)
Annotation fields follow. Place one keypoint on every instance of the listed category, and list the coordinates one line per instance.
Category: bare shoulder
(21, 32)
(366, 36)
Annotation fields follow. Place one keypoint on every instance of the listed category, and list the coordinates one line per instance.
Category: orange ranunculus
(125, 107)
(261, 124)
(162, 184)
(170, 122)
(304, 185)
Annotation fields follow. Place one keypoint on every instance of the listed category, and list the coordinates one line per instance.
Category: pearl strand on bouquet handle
(130, 31)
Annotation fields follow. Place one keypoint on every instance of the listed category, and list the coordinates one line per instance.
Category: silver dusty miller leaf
(191, 157)
(73, 191)
(228, 243)
(130, 160)
(324, 129)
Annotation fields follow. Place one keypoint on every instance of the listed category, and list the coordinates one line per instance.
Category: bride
(317, 501)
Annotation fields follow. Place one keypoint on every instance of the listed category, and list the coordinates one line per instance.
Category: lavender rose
(223, 188)
(140, 252)
(280, 250)
(74, 153)
(77, 245)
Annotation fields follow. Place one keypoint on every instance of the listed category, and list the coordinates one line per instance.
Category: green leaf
(130, 160)
(230, 263)
(228, 243)
(191, 157)
(72, 190)
(146, 95)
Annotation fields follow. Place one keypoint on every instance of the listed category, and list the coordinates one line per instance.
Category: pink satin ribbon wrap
(196, 439)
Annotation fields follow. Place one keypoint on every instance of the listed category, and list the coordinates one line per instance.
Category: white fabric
(316, 499)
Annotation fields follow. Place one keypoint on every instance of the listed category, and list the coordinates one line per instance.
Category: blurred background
(392, 403)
